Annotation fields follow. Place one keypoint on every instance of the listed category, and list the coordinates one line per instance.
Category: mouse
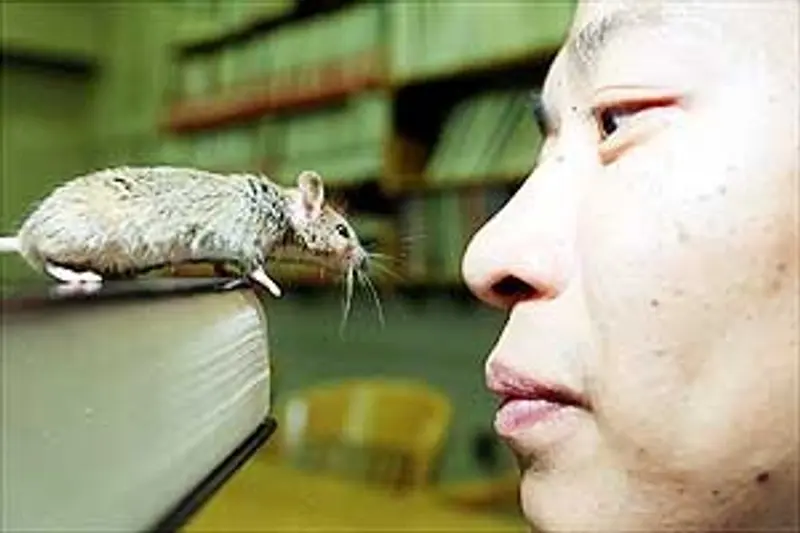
(122, 222)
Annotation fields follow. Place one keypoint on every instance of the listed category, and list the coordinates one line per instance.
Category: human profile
(649, 368)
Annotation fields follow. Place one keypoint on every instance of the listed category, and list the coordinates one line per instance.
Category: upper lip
(509, 385)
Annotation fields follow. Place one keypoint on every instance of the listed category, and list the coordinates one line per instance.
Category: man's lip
(511, 385)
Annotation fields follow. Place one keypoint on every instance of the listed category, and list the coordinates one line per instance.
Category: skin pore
(650, 263)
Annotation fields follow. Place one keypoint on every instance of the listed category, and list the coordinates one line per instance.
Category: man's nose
(525, 252)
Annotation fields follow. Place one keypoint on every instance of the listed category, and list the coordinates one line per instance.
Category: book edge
(180, 514)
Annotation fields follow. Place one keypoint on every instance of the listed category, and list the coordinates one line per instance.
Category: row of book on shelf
(490, 135)
(201, 20)
(300, 57)
(435, 229)
(402, 40)
(344, 142)
(429, 37)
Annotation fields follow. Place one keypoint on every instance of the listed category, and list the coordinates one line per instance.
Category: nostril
(512, 289)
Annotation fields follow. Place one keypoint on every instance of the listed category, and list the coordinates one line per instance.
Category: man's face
(649, 266)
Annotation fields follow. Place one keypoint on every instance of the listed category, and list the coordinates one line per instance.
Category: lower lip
(521, 414)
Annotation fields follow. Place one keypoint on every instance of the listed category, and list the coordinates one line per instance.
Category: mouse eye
(342, 230)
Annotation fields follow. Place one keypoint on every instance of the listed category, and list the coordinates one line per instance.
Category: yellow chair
(384, 431)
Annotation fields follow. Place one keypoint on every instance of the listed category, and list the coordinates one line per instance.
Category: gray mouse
(122, 222)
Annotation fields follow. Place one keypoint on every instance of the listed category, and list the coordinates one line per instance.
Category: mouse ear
(312, 192)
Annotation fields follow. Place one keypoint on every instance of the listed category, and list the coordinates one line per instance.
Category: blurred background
(416, 113)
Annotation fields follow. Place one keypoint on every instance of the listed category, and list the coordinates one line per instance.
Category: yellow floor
(267, 495)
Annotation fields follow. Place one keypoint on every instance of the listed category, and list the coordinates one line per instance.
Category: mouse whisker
(381, 267)
(387, 270)
(365, 280)
(348, 298)
(411, 238)
(383, 257)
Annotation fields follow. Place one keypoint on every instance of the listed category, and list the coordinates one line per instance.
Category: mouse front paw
(260, 276)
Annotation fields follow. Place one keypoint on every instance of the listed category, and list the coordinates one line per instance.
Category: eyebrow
(589, 43)
(585, 48)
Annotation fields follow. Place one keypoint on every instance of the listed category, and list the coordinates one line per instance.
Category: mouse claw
(261, 277)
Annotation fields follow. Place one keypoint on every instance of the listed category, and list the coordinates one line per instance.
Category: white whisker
(348, 298)
(387, 270)
(383, 257)
(375, 297)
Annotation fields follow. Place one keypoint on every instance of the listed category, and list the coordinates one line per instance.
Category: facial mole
(782, 267)
(775, 286)
(763, 477)
(654, 303)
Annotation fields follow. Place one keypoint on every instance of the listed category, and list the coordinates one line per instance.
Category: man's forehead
(729, 27)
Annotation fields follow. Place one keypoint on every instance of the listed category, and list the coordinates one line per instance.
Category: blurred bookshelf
(415, 112)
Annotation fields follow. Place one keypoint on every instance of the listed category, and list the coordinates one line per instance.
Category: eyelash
(605, 115)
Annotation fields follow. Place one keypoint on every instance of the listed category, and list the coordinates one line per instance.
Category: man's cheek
(656, 294)
(644, 290)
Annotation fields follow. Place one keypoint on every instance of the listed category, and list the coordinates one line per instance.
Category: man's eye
(623, 125)
(610, 119)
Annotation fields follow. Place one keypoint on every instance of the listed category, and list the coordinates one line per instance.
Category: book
(446, 220)
(431, 38)
(125, 409)
(487, 137)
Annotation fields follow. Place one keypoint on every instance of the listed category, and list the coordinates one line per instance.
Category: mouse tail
(9, 244)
